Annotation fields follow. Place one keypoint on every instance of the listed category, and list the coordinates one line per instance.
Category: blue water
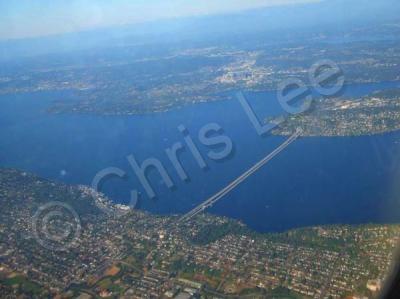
(345, 180)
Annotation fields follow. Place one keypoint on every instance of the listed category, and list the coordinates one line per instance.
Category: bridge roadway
(213, 199)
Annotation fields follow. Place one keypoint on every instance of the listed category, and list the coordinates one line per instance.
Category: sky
(28, 18)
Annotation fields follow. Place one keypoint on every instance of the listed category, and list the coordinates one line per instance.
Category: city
(139, 255)
(205, 149)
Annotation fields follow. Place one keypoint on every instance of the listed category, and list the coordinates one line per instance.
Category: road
(213, 199)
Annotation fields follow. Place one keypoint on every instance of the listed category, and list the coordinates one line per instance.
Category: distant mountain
(325, 16)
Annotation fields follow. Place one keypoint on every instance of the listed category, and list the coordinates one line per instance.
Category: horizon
(27, 20)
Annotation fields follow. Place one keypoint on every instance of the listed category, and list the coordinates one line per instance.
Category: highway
(213, 199)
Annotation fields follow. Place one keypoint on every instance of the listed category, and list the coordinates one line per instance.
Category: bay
(315, 181)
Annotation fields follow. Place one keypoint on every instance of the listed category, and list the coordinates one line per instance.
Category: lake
(315, 181)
